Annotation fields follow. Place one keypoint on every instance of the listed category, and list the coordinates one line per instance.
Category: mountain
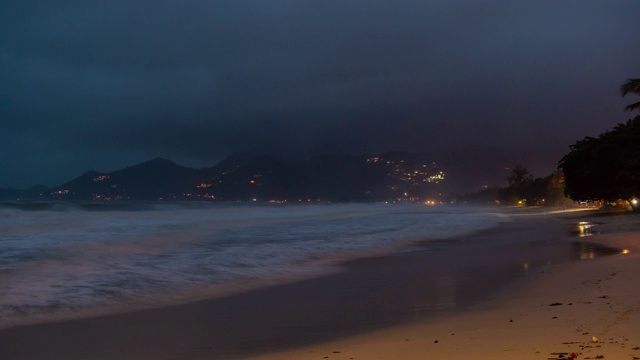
(151, 180)
(247, 177)
(342, 177)
(394, 176)
(20, 194)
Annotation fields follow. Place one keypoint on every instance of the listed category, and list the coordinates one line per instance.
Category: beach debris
(435, 342)
(636, 348)
(563, 356)
(510, 320)
(555, 317)
(556, 304)
(594, 339)
(604, 297)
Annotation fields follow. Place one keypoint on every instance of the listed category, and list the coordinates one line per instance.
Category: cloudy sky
(101, 85)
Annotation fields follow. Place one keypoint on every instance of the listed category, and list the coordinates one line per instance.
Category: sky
(479, 84)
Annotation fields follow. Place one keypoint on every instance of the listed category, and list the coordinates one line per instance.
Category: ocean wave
(60, 264)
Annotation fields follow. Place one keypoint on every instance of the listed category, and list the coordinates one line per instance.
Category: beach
(587, 309)
(528, 289)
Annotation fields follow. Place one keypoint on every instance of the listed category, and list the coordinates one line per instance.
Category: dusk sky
(100, 85)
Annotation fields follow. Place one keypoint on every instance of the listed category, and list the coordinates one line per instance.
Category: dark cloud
(104, 84)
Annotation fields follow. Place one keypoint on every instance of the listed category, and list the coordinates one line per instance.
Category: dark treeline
(607, 168)
(603, 170)
(523, 189)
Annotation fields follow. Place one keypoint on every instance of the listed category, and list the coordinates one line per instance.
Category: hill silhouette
(396, 176)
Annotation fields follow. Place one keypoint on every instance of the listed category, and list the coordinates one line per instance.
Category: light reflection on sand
(585, 228)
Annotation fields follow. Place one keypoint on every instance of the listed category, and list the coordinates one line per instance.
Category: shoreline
(136, 274)
(589, 308)
(325, 310)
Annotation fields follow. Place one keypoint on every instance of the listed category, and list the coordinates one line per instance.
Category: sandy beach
(409, 306)
(583, 309)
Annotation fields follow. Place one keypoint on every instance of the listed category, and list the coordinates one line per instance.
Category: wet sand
(576, 310)
(456, 278)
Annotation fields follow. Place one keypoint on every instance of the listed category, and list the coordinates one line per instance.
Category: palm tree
(631, 86)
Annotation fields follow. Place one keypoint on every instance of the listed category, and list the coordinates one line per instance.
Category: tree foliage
(519, 176)
(632, 86)
(547, 191)
(604, 168)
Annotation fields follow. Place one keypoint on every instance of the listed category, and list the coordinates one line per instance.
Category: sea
(62, 261)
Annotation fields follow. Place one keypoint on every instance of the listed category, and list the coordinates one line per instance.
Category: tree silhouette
(606, 167)
(519, 176)
(631, 86)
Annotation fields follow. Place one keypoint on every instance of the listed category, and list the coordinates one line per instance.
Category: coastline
(589, 308)
(325, 313)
